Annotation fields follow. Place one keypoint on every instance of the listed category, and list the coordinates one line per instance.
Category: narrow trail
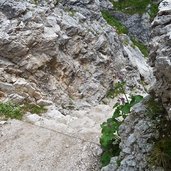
(53, 142)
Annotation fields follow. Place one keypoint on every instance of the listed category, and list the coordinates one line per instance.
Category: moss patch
(14, 111)
(10, 110)
(121, 29)
(136, 7)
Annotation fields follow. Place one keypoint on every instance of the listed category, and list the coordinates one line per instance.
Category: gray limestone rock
(160, 53)
(67, 52)
(135, 133)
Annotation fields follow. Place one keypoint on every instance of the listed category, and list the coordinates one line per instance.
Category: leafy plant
(118, 88)
(110, 138)
(121, 29)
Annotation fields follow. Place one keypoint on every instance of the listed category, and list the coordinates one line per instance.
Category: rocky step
(83, 124)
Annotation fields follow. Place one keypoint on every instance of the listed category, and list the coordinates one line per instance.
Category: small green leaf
(125, 108)
(116, 104)
(135, 99)
(105, 158)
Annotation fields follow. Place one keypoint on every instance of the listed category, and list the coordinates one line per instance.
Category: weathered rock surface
(65, 53)
(138, 128)
(58, 53)
(137, 134)
(160, 54)
(138, 25)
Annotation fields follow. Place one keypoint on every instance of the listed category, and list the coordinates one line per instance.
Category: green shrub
(114, 22)
(110, 138)
(118, 88)
(161, 151)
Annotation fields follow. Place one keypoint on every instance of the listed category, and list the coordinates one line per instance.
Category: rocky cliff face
(57, 53)
(160, 53)
(64, 53)
(139, 128)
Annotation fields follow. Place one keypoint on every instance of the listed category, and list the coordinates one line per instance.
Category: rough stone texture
(25, 147)
(137, 25)
(160, 54)
(84, 124)
(65, 53)
(138, 128)
(136, 134)
(137, 62)
(68, 56)
(57, 52)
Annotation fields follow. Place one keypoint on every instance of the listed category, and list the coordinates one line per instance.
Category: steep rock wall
(160, 55)
(65, 53)
(140, 128)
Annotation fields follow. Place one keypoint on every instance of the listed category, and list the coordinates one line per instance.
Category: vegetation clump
(110, 138)
(136, 7)
(15, 111)
(10, 110)
(121, 29)
(161, 151)
(33, 108)
(142, 47)
(161, 154)
(154, 108)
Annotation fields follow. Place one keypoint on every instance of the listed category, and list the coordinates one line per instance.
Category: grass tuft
(121, 29)
(14, 111)
(10, 110)
(33, 108)
(142, 47)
